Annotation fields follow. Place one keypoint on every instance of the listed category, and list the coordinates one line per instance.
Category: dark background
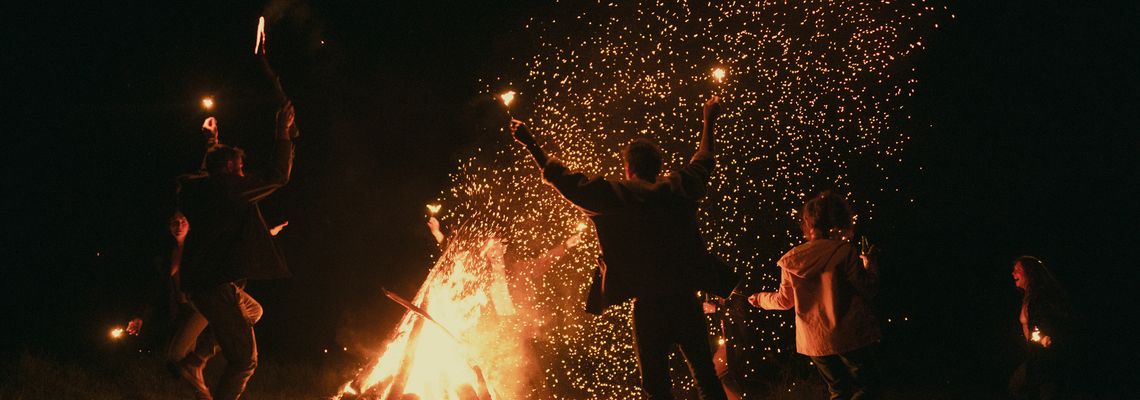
(1024, 143)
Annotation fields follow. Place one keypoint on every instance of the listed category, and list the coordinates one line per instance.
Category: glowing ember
(117, 333)
(718, 74)
(433, 209)
(507, 97)
(208, 103)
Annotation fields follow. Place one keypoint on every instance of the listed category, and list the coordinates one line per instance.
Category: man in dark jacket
(228, 245)
(652, 251)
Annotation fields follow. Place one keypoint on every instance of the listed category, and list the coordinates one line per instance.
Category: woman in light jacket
(831, 285)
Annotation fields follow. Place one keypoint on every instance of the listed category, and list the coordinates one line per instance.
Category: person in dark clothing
(229, 244)
(647, 227)
(183, 321)
(1046, 325)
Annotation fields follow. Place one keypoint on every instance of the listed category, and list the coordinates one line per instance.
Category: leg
(834, 373)
(653, 344)
(186, 331)
(862, 366)
(693, 338)
(230, 326)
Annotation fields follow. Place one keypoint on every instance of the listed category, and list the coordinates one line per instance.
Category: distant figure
(652, 251)
(228, 245)
(1045, 320)
(831, 286)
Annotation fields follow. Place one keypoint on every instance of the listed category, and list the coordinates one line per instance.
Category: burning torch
(260, 48)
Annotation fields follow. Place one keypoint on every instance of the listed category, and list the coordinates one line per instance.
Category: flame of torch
(507, 97)
(117, 333)
(259, 41)
(433, 209)
(718, 74)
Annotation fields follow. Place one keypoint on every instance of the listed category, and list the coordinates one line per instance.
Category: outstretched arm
(708, 141)
(523, 136)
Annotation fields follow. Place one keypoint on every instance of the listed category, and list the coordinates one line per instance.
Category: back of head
(643, 158)
(826, 215)
(219, 157)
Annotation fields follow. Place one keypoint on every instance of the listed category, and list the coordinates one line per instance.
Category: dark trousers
(231, 314)
(853, 375)
(659, 323)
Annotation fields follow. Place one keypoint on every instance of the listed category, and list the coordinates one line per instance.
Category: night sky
(1023, 142)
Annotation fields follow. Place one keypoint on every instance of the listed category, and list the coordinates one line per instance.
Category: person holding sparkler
(1045, 320)
(652, 250)
(831, 284)
(229, 244)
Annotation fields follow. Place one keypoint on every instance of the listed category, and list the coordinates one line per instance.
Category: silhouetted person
(228, 245)
(831, 285)
(1046, 325)
(185, 322)
(652, 250)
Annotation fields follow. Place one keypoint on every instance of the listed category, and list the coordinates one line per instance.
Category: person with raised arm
(652, 251)
(230, 244)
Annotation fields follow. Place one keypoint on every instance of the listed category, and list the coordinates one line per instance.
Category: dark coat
(651, 245)
(228, 239)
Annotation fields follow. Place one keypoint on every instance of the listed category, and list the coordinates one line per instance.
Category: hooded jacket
(824, 280)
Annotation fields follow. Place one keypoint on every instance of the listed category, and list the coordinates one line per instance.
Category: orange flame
(208, 103)
(117, 333)
(433, 209)
(259, 41)
(507, 97)
(718, 74)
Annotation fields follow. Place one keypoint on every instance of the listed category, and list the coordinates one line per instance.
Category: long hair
(826, 216)
(1043, 288)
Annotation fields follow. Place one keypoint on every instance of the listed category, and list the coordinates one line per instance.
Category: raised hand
(522, 133)
(712, 108)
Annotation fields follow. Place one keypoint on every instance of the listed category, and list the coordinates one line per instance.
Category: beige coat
(824, 280)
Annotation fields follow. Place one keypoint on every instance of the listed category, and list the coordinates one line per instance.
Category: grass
(144, 377)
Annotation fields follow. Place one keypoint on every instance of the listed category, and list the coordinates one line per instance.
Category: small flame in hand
(117, 333)
(718, 74)
(1035, 336)
(581, 227)
(507, 97)
(434, 208)
(208, 103)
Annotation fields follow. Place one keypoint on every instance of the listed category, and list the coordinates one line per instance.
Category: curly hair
(825, 215)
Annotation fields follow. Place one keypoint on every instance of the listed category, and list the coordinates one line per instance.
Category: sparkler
(433, 209)
(117, 332)
(718, 74)
(507, 98)
(208, 103)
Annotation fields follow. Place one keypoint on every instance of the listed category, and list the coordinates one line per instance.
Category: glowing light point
(718, 74)
(433, 209)
(208, 103)
(117, 333)
(507, 97)
(259, 41)
(581, 227)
